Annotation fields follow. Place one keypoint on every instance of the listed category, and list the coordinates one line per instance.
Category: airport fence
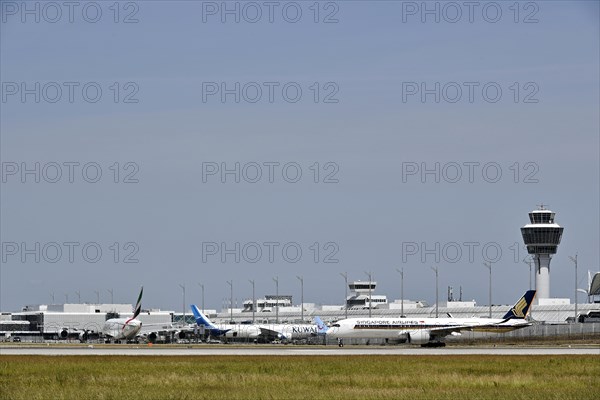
(537, 332)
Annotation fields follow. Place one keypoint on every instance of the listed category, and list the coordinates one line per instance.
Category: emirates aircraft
(429, 331)
(125, 328)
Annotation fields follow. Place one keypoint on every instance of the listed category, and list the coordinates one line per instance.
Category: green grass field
(300, 377)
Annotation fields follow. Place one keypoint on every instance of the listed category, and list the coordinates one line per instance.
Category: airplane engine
(181, 335)
(83, 336)
(152, 337)
(418, 337)
(63, 334)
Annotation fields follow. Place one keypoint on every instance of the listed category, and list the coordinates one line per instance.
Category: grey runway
(291, 351)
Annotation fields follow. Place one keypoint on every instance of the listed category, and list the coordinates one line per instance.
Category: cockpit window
(336, 325)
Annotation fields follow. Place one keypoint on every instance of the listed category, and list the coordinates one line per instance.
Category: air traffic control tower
(542, 236)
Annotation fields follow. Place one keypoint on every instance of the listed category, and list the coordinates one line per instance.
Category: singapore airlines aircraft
(125, 328)
(285, 332)
(429, 331)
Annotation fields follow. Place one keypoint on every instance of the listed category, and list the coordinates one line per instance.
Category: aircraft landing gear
(434, 344)
(340, 343)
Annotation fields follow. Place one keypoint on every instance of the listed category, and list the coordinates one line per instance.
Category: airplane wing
(147, 328)
(152, 331)
(270, 333)
(491, 327)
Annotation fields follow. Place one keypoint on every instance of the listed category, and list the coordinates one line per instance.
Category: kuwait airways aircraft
(285, 332)
(125, 328)
(429, 331)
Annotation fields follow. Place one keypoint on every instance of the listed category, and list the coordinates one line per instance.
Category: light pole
(345, 276)
(253, 300)
(66, 298)
(97, 296)
(301, 297)
(488, 265)
(527, 260)
(230, 283)
(401, 272)
(52, 294)
(202, 286)
(276, 280)
(112, 301)
(574, 259)
(183, 303)
(435, 269)
(78, 293)
(370, 275)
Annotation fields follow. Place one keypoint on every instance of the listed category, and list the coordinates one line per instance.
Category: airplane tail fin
(201, 319)
(321, 327)
(138, 305)
(521, 307)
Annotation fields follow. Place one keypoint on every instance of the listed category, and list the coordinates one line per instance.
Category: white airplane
(285, 332)
(429, 331)
(125, 328)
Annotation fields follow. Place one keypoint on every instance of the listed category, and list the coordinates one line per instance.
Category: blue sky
(368, 134)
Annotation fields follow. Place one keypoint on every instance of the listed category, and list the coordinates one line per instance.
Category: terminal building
(61, 321)
(269, 303)
(69, 321)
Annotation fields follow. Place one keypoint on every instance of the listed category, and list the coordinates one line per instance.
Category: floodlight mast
(401, 272)
(230, 283)
(488, 265)
(301, 279)
(370, 275)
(202, 286)
(253, 300)
(276, 280)
(435, 269)
(182, 286)
(345, 276)
(574, 259)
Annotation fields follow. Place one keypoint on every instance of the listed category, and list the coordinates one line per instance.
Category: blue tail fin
(201, 319)
(521, 307)
(321, 327)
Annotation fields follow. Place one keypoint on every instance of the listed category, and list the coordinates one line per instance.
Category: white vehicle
(429, 331)
(284, 332)
(125, 328)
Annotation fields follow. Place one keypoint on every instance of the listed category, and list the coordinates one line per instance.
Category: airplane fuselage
(122, 328)
(275, 331)
(291, 331)
(397, 328)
